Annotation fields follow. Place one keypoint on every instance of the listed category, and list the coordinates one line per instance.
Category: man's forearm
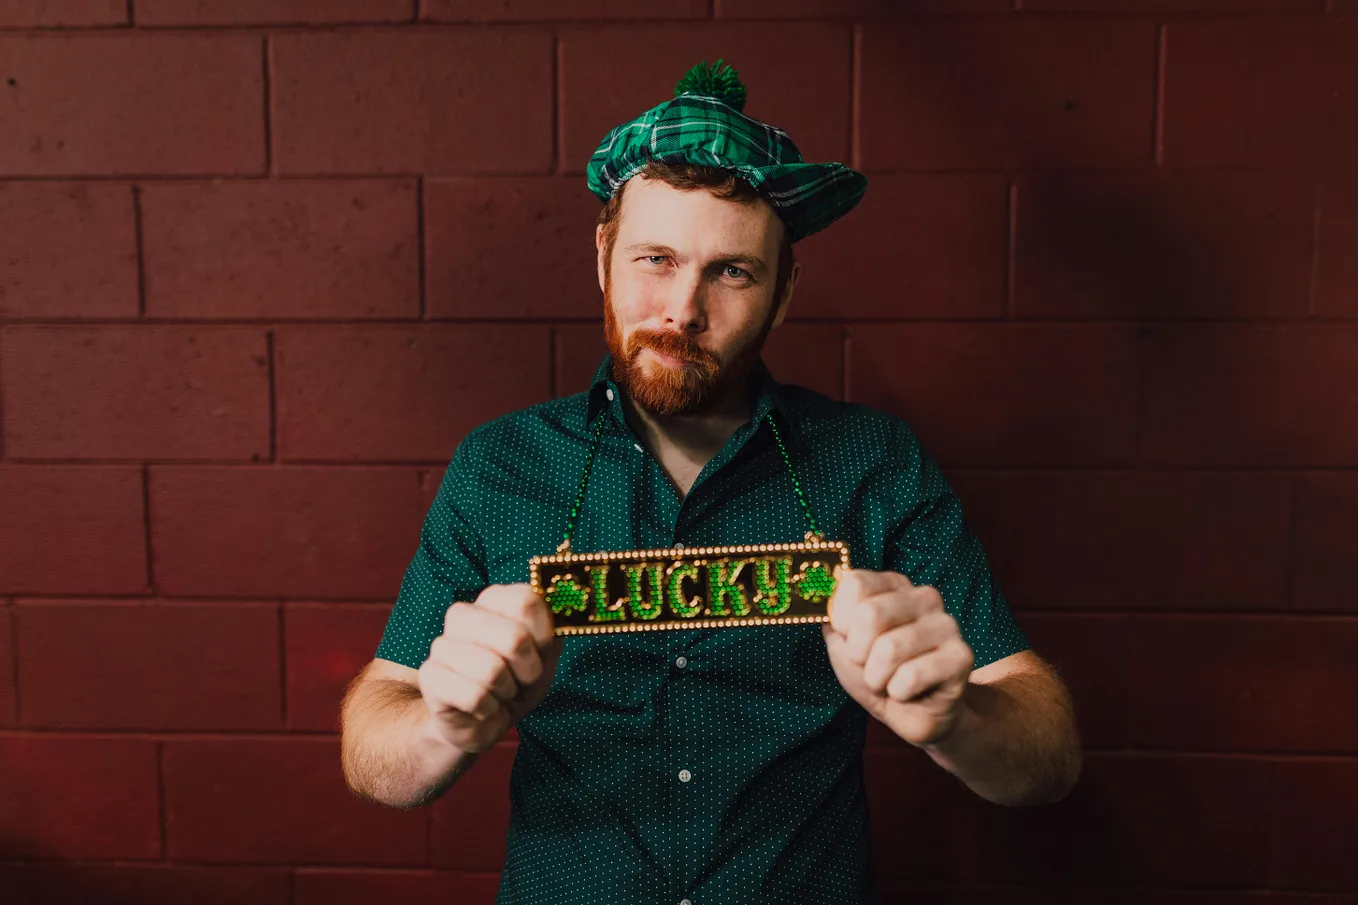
(389, 752)
(1015, 742)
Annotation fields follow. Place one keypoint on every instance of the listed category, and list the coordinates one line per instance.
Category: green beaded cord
(796, 484)
(565, 545)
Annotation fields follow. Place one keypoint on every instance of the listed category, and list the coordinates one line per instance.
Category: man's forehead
(653, 211)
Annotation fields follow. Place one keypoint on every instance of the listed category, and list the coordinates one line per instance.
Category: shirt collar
(768, 393)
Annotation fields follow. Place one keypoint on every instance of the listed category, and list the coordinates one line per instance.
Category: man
(714, 765)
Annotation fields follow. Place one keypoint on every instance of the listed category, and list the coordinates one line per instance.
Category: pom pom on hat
(718, 81)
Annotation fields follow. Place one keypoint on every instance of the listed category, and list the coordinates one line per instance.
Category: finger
(854, 586)
(921, 676)
(883, 612)
(521, 603)
(499, 634)
(894, 647)
(484, 667)
(444, 689)
(472, 735)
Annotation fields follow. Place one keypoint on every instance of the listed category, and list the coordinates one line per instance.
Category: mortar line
(420, 239)
(268, 108)
(273, 397)
(138, 236)
(1314, 276)
(1158, 116)
(146, 528)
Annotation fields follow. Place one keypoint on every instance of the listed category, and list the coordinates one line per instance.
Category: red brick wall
(263, 262)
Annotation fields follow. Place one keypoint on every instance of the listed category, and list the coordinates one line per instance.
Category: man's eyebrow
(754, 262)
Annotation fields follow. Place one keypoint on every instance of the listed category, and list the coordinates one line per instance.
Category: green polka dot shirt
(692, 766)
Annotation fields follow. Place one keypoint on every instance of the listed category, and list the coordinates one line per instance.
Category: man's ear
(787, 294)
(599, 253)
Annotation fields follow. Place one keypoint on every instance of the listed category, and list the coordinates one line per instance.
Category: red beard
(702, 382)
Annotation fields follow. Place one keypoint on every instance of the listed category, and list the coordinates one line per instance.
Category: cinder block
(1242, 684)
(1164, 244)
(509, 248)
(270, 12)
(308, 533)
(1325, 545)
(1261, 92)
(70, 250)
(136, 392)
(1004, 395)
(143, 665)
(1250, 395)
(72, 530)
(62, 13)
(279, 801)
(1008, 93)
(401, 394)
(133, 104)
(282, 249)
(65, 797)
(436, 103)
(917, 246)
(525, 10)
(1125, 540)
(325, 647)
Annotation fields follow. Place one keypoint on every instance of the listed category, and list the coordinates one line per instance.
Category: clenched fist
(897, 651)
(493, 663)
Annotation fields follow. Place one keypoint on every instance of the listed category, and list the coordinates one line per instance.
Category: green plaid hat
(703, 125)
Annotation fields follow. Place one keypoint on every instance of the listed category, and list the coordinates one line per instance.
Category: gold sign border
(681, 554)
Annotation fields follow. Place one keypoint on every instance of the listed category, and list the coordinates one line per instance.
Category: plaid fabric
(704, 130)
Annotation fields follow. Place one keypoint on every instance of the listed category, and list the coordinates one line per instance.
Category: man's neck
(683, 444)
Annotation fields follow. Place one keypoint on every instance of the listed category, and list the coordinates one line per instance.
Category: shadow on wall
(46, 876)
(1090, 247)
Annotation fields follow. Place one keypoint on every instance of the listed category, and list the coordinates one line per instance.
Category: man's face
(688, 294)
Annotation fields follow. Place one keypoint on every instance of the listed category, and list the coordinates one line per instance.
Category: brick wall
(263, 262)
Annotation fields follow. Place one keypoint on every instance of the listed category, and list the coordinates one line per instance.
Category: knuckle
(455, 615)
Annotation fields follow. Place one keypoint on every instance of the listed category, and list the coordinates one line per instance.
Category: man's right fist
(493, 663)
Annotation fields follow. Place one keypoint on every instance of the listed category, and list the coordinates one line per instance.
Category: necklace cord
(574, 514)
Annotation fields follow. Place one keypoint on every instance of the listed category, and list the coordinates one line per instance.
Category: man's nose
(685, 304)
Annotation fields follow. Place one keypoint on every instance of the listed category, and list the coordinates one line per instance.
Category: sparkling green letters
(641, 607)
(772, 595)
(725, 592)
(674, 590)
(603, 612)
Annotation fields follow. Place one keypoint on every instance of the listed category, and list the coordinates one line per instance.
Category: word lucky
(776, 587)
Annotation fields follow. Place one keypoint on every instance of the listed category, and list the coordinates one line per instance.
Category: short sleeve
(933, 544)
(448, 566)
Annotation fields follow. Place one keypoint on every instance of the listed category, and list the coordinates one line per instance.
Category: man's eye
(657, 260)
(735, 272)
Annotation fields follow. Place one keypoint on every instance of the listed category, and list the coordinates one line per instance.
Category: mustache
(674, 344)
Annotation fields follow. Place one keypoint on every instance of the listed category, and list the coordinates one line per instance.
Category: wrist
(963, 720)
(432, 747)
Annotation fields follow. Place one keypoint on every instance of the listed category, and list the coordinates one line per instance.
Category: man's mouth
(668, 361)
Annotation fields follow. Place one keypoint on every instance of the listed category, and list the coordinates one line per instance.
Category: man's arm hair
(388, 751)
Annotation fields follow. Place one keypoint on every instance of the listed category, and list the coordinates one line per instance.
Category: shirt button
(685, 902)
(609, 394)
(678, 546)
(681, 662)
(685, 776)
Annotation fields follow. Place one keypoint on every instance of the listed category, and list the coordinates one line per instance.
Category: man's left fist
(897, 652)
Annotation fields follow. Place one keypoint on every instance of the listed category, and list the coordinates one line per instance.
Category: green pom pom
(717, 81)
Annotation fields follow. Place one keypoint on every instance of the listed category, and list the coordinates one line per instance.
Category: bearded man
(718, 764)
